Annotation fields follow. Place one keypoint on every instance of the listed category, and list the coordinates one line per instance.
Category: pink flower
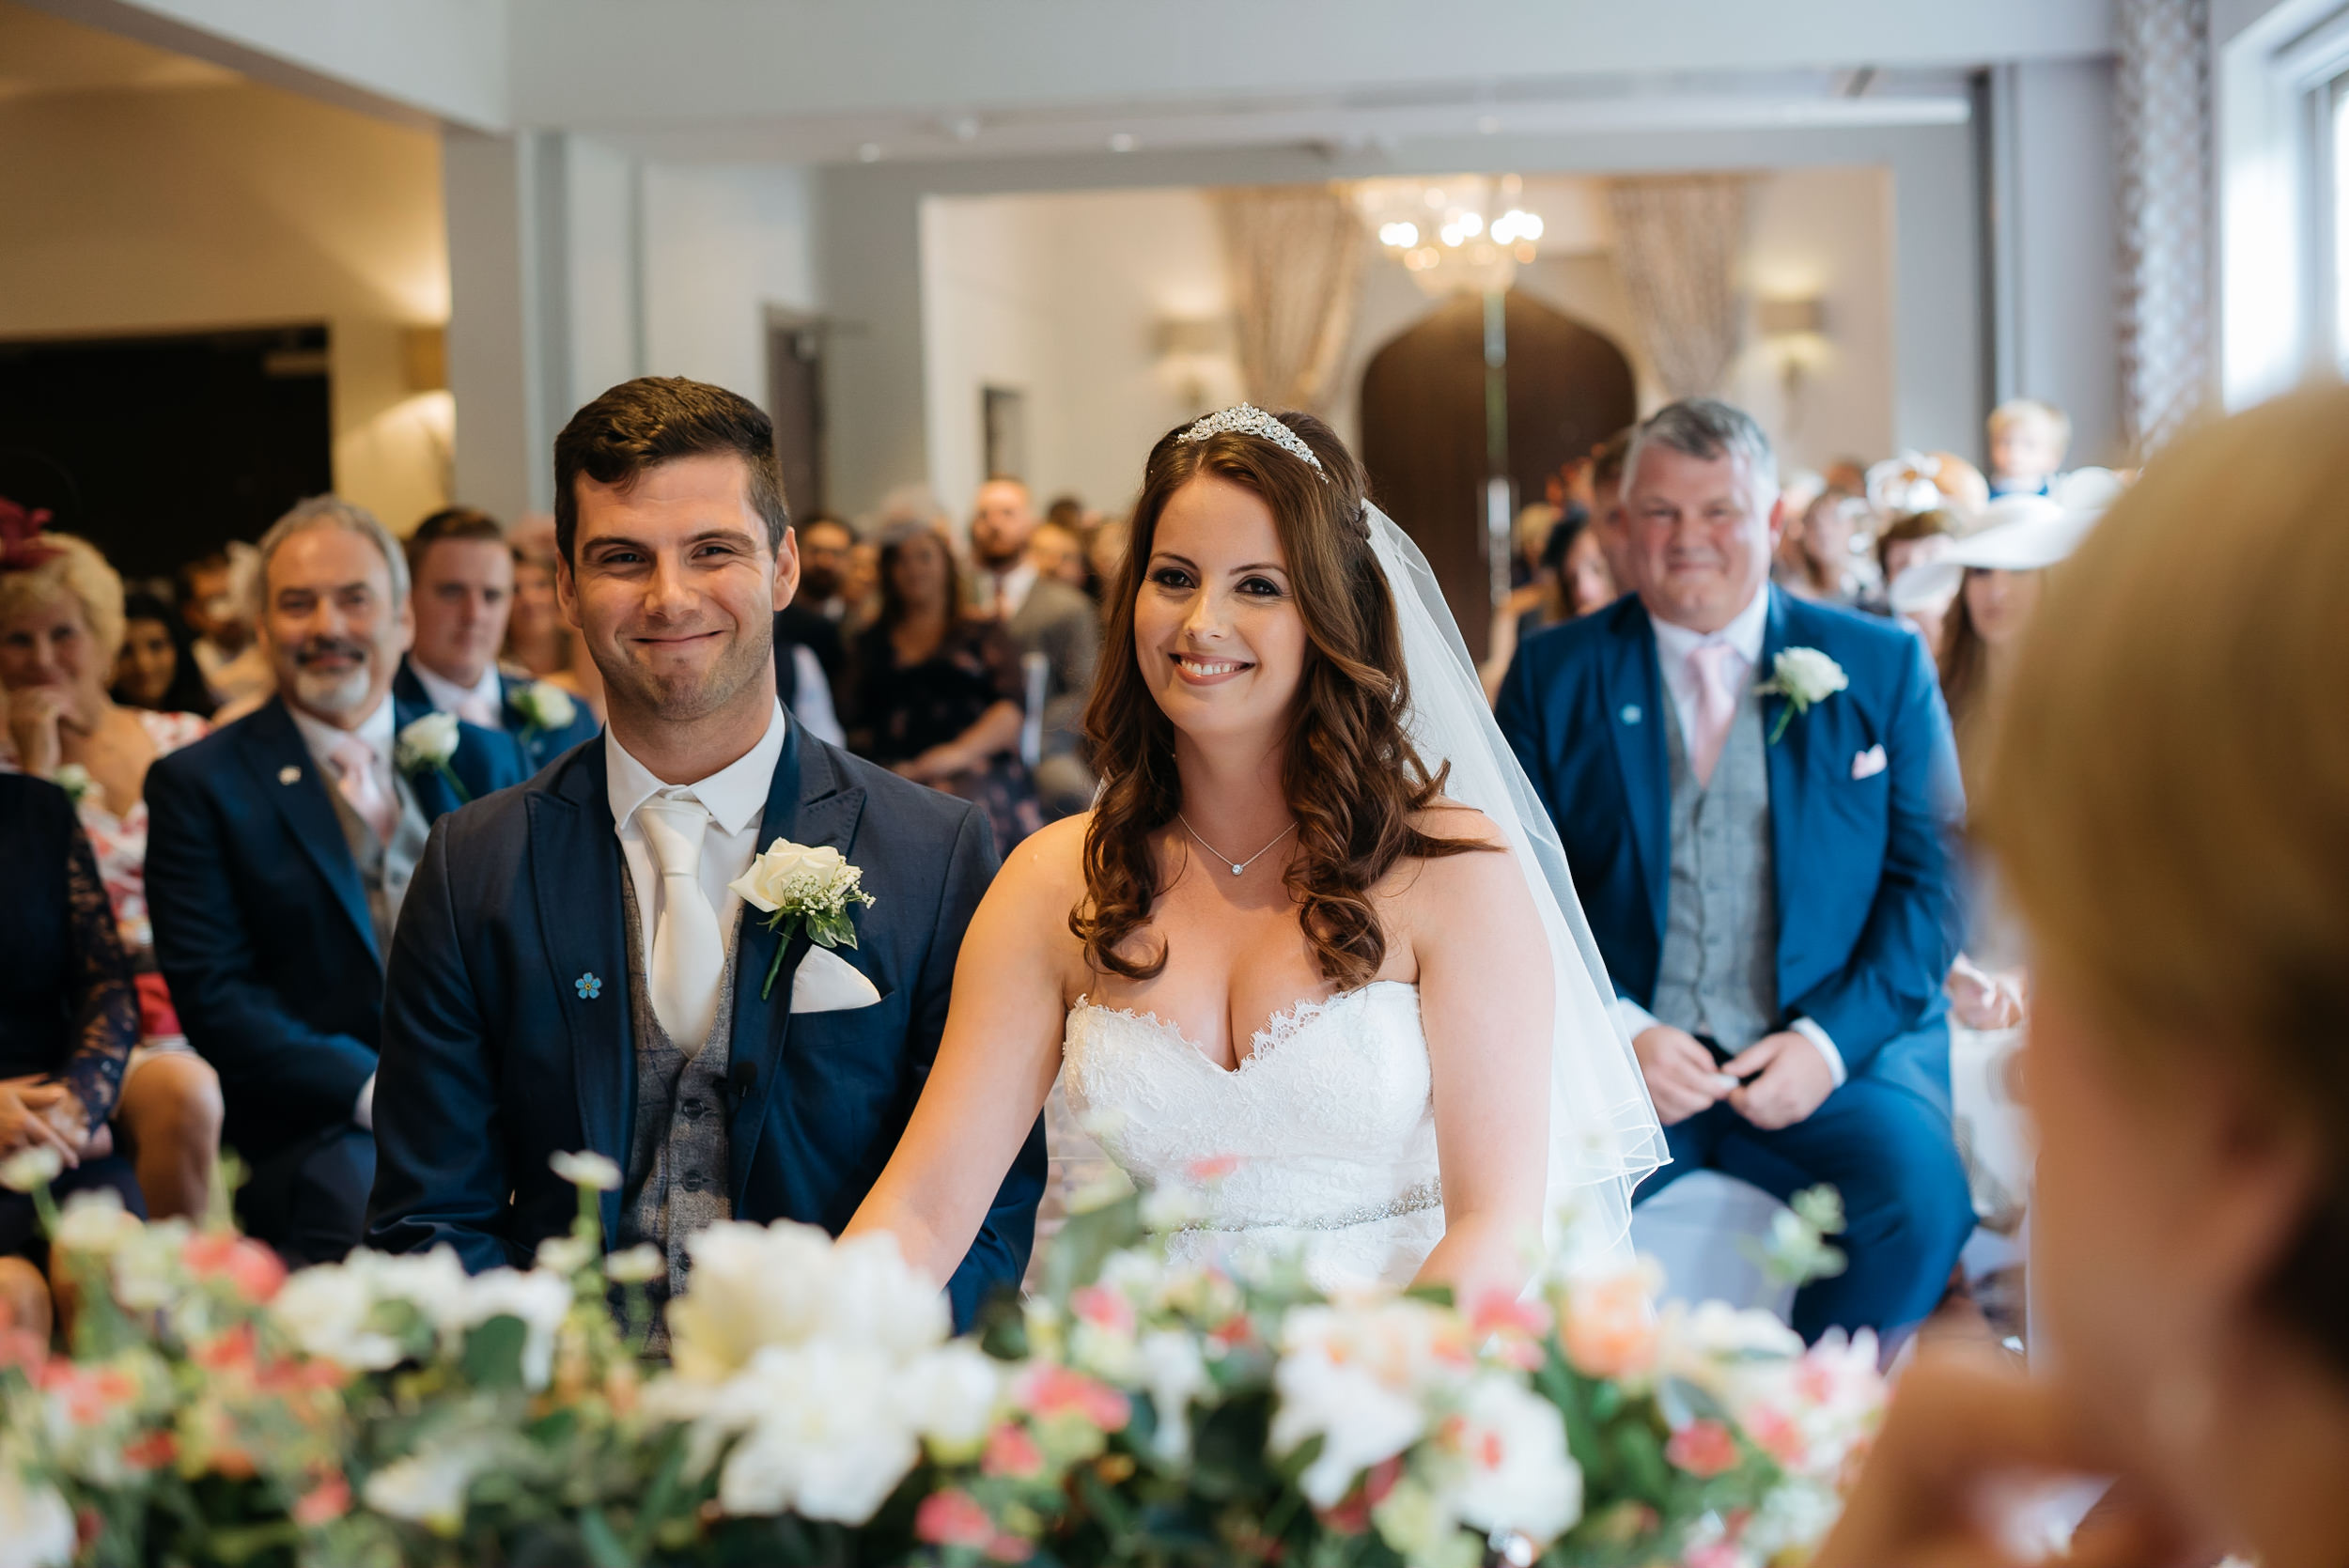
(1609, 1328)
(1009, 1549)
(1105, 1309)
(1704, 1449)
(1212, 1168)
(1011, 1451)
(152, 1452)
(1055, 1390)
(1351, 1516)
(329, 1500)
(1722, 1553)
(1776, 1435)
(953, 1518)
(252, 1270)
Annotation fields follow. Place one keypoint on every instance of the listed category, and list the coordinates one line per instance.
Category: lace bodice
(1326, 1129)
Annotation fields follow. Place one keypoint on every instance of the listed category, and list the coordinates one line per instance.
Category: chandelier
(1464, 232)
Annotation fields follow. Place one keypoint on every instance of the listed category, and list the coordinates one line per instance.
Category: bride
(1308, 956)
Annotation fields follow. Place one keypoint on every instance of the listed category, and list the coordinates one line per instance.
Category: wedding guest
(825, 544)
(1917, 599)
(861, 586)
(1058, 553)
(67, 1021)
(809, 628)
(462, 573)
(1105, 556)
(1573, 581)
(935, 693)
(156, 668)
(1822, 568)
(2028, 440)
(2168, 793)
(537, 642)
(576, 970)
(1608, 523)
(61, 618)
(216, 602)
(1042, 616)
(280, 850)
(1771, 884)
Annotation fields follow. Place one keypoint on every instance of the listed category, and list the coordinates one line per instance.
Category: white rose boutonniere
(1802, 676)
(796, 885)
(76, 781)
(426, 746)
(544, 706)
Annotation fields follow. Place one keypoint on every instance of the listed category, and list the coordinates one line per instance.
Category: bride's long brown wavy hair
(1351, 776)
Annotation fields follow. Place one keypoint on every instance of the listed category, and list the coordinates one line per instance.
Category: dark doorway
(1424, 436)
(162, 449)
(794, 400)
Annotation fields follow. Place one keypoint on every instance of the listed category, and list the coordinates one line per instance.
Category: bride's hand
(1970, 1444)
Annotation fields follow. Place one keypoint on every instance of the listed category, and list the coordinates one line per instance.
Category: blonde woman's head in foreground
(2168, 793)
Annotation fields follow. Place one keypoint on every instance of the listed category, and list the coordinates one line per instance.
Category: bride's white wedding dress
(1321, 1142)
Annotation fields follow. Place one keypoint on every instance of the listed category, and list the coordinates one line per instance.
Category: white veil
(1603, 1132)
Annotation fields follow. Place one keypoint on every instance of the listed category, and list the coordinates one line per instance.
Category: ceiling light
(1400, 235)
(869, 153)
(1123, 141)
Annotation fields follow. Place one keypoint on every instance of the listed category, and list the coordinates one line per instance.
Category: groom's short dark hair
(652, 420)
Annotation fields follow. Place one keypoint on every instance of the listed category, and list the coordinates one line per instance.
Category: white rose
(36, 1525)
(586, 1168)
(546, 705)
(148, 1273)
(35, 1165)
(325, 1309)
(877, 1298)
(95, 1223)
(635, 1265)
(953, 1394)
(76, 781)
(750, 1286)
(1515, 1472)
(769, 883)
(429, 1486)
(539, 1300)
(1361, 1419)
(1806, 675)
(1175, 1374)
(428, 743)
(826, 1434)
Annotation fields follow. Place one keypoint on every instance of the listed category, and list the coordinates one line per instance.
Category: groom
(1771, 884)
(570, 973)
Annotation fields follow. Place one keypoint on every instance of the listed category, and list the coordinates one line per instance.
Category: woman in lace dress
(1282, 968)
(61, 625)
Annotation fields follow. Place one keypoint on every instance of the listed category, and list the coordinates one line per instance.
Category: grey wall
(869, 266)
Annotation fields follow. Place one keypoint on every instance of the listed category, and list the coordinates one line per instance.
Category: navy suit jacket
(506, 1035)
(538, 747)
(262, 922)
(1869, 915)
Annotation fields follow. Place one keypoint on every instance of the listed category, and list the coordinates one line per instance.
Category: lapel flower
(1802, 676)
(799, 886)
(427, 746)
(544, 707)
(76, 781)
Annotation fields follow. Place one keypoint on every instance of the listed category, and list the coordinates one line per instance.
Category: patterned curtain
(1294, 255)
(1677, 242)
(2163, 105)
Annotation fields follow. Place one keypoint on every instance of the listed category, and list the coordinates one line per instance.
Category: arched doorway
(1424, 433)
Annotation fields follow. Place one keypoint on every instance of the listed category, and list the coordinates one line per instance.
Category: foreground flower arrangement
(394, 1411)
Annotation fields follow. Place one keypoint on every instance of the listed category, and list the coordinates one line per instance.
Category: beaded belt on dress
(1415, 1199)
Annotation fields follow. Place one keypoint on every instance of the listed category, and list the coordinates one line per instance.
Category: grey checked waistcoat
(1718, 974)
(385, 869)
(676, 1178)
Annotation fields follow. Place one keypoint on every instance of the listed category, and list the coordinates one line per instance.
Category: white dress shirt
(381, 731)
(1673, 644)
(736, 798)
(1014, 583)
(449, 697)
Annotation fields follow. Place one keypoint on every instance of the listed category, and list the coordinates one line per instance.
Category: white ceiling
(820, 81)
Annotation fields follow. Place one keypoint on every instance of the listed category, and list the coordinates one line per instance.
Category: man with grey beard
(279, 849)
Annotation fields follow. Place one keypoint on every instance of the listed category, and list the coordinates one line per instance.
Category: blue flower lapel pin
(588, 987)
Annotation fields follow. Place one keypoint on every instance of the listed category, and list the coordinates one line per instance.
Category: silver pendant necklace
(1237, 866)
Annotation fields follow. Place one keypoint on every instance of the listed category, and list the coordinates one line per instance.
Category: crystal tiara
(1248, 420)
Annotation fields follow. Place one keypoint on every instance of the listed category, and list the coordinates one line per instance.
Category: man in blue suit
(463, 571)
(1767, 860)
(279, 850)
(574, 970)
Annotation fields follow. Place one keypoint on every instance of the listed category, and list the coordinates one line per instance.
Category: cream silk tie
(1715, 666)
(687, 957)
(478, 710)
(354, 775)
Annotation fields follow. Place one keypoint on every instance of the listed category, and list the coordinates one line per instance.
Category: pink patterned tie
(354, 775)
(1715, 667)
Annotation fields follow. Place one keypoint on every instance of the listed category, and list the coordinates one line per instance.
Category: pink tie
(478, 710)
(1715, 667)
(354, 775)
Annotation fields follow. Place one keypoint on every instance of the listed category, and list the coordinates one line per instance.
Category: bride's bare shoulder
(1447, 819)
(1471, 885)
(1048, 864)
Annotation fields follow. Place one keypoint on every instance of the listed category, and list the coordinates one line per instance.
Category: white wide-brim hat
(2018, 532)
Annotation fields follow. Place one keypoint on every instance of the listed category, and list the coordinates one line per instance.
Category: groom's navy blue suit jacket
(261, 922)
(506, 1035)
(1868, 913)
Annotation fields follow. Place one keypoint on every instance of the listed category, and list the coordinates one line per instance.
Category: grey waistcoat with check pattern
(385, 869)
(1719, 971)
(679, 1153)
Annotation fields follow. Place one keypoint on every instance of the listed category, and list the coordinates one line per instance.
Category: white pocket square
(1868, 764)
(827, 983)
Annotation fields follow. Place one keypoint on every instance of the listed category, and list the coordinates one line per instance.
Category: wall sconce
(1794, 331)
(1188, 348)
(424, 358)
